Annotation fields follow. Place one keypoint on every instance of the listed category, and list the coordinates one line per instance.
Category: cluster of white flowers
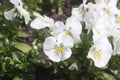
(101, 17)
(58, 46)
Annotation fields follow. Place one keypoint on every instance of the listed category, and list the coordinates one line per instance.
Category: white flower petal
(53, 55)
(74, 66)
(84, 2)
(24, 13)
(17, 2)
(116, 44)
(56, 51)
(48, 21)
(41, 22)
(9, 14)
(66, 40)
(66, 54)
(74, 24)
(27, 18)
(49, 43)
(104, 49)
(36, 14)
(76, 12)
(58, 28)
(37, 24)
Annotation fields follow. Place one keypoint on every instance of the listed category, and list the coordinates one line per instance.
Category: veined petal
(56, 51)
(9, 14)
(66, 54)
(53, 55)
(49, 47)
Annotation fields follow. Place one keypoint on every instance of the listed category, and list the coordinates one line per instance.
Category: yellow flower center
(107, 11)
(84, 11)
(68, 32)
(96, 53)
(118, 18)
(59, 49)
(107, 3)
(98, 33)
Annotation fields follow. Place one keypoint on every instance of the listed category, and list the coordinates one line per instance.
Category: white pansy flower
(104, 9)
(41, 22)
(98, 33)
(9, 15)
(86, 13)
(91, 16)
(100, 52)
(57, 49)
(80, 11)
(72, 29)
(99, 29)
(116, 18)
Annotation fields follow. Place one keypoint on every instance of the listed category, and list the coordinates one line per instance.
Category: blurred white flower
(91, 16)
(116, 44)
(106, 8)
(57, 49)
(72, 29)
(116, 18)
(107, 2)
(100, 52)
(80, 11)
(86, 13)
(9, 15)
(41, 22)
(99, 29)
(73, 66)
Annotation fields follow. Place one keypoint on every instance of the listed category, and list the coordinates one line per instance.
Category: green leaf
(22, 34)
(16, 56)
(108, 76)
(4, 66)
(1, 36)
(22, 47)
(17, 78)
